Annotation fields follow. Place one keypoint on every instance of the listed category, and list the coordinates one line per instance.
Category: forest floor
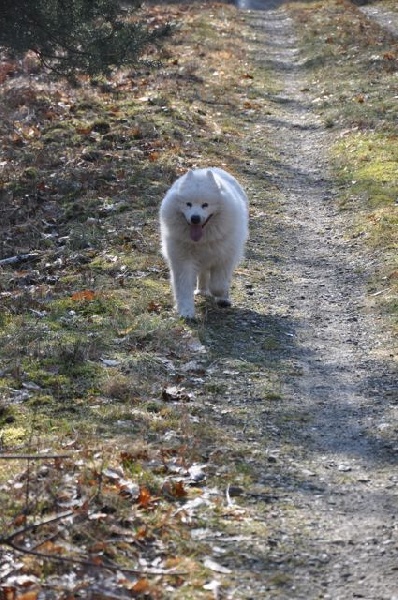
(253, 454)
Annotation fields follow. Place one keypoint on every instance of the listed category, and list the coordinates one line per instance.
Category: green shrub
(86, 36)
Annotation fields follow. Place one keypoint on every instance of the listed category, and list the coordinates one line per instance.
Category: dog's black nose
(195, 219)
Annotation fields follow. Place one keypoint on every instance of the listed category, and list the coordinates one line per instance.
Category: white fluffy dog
(204, 227)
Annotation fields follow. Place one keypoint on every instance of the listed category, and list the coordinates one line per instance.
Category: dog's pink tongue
(196, 232)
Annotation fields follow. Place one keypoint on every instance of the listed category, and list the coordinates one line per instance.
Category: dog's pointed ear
(186, 179)
(213, 180)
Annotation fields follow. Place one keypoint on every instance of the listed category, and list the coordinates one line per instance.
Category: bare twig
(22, 530)
(32, 456)
(19, 258)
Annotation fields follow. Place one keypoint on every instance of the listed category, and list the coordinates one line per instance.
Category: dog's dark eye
(205, 205)
(189, 204)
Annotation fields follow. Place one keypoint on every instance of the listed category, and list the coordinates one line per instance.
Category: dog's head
(199, 200)
(197, 215)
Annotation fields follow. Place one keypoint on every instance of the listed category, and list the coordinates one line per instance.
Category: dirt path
(386, 18)
(330, 458)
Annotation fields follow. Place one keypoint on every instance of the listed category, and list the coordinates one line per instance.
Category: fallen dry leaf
(141, 586)
(154, 307)
(145, 498)
(153, 156)
(30, 595)
(83, 295)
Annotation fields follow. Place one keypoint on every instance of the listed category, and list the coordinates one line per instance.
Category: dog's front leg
(220, 282)
(202, 287)
(183, 281)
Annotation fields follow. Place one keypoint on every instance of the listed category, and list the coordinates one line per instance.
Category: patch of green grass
(369, 165)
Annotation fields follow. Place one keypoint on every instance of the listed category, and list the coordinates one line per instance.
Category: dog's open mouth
(196, 229)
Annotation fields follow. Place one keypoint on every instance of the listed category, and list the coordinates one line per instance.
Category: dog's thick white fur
(204, 227)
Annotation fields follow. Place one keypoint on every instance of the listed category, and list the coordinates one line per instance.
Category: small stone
(308, 473)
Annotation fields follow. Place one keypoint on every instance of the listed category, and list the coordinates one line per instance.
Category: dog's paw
(188, 317)
(223, 303)
(187, 314)
(190, 320)
(202, 292)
